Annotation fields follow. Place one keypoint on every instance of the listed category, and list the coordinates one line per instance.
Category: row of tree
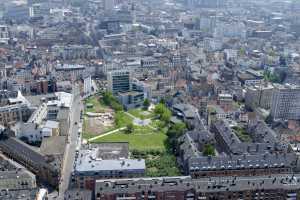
(163, 113)
(110, 100)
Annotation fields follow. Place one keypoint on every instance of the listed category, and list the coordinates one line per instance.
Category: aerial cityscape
(149, 99)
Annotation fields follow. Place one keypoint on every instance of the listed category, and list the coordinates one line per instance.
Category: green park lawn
(122, 119)
(140, 113)
(142, 138)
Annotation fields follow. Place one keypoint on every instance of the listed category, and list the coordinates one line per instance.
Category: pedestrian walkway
(105, 134)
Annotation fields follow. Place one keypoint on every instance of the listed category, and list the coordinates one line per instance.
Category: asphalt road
(73, 140)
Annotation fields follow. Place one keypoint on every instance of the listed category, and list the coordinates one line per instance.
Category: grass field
(86, 134)
(143, 138)
(97, 105)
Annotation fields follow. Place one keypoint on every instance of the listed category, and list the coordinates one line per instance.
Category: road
(72, 142)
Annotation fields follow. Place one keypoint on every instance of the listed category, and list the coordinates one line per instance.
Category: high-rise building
(119, 81)
(4, 34)
(259, 96)
(88, 85)
(39, 10)
(109, 4)
(286, 102)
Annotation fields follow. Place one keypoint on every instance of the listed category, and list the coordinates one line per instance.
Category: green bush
(163, 112)
(109, 100)
(146, 104)
(129, 128)
(209, 150)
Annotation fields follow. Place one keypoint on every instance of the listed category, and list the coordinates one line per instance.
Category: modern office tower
(119, 81)
(39, 10)
(286, 102)
(109, 4)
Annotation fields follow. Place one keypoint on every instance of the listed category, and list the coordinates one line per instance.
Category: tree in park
(174, 132)
(166, 116)
(159, 109)
(146, 104)
(129, 128)
(163, 112)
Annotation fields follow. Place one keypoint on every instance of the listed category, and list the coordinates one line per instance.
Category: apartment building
(71, 52)
(13, 108)
(14, 176)
(259, 96)
(263, 155)
(70, 72)
(277, 187)
(46, 168)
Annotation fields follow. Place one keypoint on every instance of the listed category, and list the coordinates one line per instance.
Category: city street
(72, 142)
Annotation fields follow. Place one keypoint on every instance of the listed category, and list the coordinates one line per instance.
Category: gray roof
(228, 136)
(17, 174)
(18, 194)
(192, 141)
(78, 194)
(187, 110)
(189, 147)
(11, 170)
(69, 67)
(115, 186)
(202, 136)
(265, 139)
(88, 161)
(51, 124)
(54, 145)
(112, 150)
(242, 162)
(63, 113)
(260, 132)
(202, 185)
(36, 100)
(18, 148)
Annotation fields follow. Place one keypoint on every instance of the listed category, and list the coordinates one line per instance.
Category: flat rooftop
(112, 150)
(70, 67)
(54, 145)
(207, 185)
(89, 160)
